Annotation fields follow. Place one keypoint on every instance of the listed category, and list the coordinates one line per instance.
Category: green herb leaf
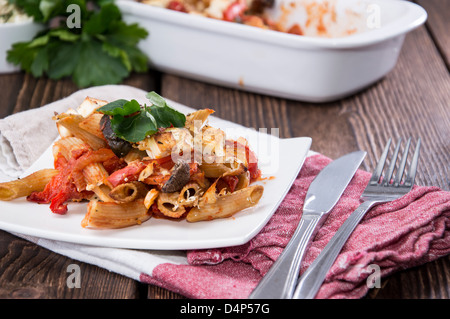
(120, 107)
(134, 123)
(101, 68)
(103, 51)
(133, 128)
(164, 114)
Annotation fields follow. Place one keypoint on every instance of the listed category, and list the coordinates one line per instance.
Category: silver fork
(379, 190)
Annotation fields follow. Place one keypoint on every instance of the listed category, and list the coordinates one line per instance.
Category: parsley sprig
(133, 122)
(102, 51)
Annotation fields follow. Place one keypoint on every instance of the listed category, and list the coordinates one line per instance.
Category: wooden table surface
(412, 100)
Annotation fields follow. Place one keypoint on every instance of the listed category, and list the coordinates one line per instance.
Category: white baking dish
(11, 33)
(306, 68)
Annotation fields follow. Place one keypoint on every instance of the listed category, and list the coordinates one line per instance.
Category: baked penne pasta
(95, 175)
(34, 182)
(197, 119)
(214, 170)
(169, 206)
(133, 155)
(89, 106)
(129, 192)
(243, 181)
(91, 124)
(190, 194)
(66, 145)
(150, 198)
(72, 123)
(185, 171)
(113, 215)
(225, 205)
(102, 193)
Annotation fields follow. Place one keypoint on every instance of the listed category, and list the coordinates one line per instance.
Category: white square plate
(280, 158)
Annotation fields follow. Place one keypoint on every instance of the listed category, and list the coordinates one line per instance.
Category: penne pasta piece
(213, 145)
(66, 145)
(197, 119)
(133, 155)
(210, 196)
(95, 174)
(150, 198)
(129, 192)
(190, 194)
(241, 150)
(92, 125)
(72, 123)
(235, 169)
(171, 142)
(151, 147)
(63, 132)
(25, 186)
(214, 170)
(89, 105)
(114, 215)
(236, 151)
(226, 205)
(146, 172)
(88, 171)
(244, 180)
(169, 206)
(102, 193)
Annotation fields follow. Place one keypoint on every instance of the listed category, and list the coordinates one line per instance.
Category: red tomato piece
(234, 10)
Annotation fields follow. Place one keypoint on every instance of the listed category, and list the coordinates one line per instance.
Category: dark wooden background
(413, 100)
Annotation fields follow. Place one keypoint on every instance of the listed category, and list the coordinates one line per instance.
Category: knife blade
(323, 194)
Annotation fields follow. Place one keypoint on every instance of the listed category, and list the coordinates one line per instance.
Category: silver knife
(323, 194)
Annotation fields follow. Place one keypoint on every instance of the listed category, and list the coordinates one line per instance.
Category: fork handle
(280, 280)
(313, 277)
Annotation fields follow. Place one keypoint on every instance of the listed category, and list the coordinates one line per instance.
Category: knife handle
(280, 280)
(313, 277)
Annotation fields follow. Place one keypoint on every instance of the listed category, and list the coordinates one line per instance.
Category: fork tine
(380, 165)
(409, 181)
(388, 175)
(401, 168)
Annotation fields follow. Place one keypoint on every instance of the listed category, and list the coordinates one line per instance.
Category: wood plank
(438, 25)
(32, 272)
(155, 292)
(430, 282)
(11, 85)
(248, 109)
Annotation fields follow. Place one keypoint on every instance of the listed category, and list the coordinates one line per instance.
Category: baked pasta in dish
(248, 12)
(132, 162)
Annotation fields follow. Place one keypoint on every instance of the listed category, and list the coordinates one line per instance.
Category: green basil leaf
(164, 114)
(155, 99)
(133, 128)
(134, 123)
(120, 107)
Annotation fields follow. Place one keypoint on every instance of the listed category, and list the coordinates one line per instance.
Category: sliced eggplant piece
(119, 146)
(180, 177)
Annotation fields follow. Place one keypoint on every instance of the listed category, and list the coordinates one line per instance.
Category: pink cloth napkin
(401, 234)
